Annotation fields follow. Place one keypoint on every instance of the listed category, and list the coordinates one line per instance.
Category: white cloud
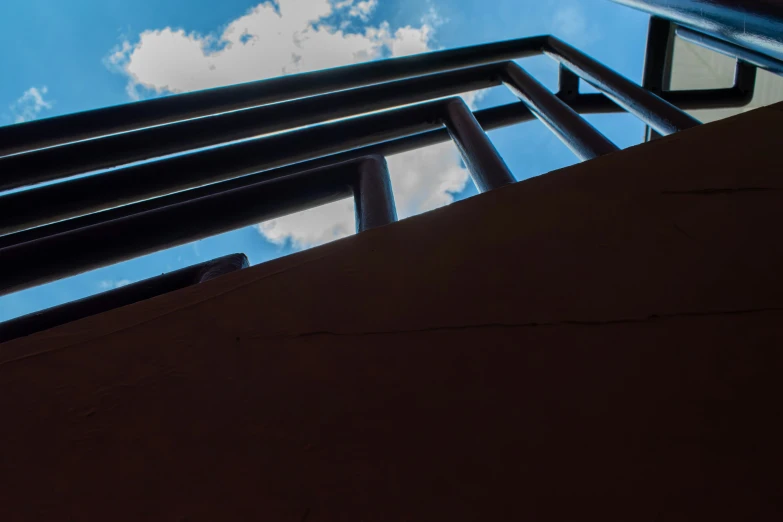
(363, 9)
(109, 285)
(570, 24)
(30, 104)
(313, 226)
(289, 37)
(433, 18)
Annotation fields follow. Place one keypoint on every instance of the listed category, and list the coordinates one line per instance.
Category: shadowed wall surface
(604, 340)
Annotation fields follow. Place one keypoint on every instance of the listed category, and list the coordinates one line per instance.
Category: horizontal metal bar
(120, 149)
(709, 98)
(734, 51)
(492, 118)
(651, 109)
(56, 202)
(121, 118)
(755, 24)
(30, 264)
(158, 178)
(123, 296)
(581, 137)
(594, 103)
(487, 168)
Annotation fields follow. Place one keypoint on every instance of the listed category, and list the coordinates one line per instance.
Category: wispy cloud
(30, 104)
(362, 9)
(570, 23)
(109, 285)
(294, 36)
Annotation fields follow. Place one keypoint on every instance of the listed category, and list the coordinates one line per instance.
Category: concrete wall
(600, 342)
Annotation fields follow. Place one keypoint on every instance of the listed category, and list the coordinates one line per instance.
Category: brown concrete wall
(600, 342)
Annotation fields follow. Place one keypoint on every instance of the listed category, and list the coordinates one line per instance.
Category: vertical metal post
(373, 196)
(567, 84)
(657, 59)
(581, 137)
(745, 79)
(656, 112)
(487, 168)
(656, 74)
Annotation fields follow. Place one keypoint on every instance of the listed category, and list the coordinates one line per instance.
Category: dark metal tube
(581, 137)
(710, 98)
(753, 24)
(489, 119)
(121, 118)
(373, 196)
(651, 109)
(657, 75)
(81, 196)
(567, 84)
(120, 149)
(30, 264)
(132, 293)
(487, 168)
(492, 118)
(657, 68)
(735, 51)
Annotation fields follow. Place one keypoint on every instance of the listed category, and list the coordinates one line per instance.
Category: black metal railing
(178, 194)
(146, 232)
(129, 294)
(658, 68)
(754, 26)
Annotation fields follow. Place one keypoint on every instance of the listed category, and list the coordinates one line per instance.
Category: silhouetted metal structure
(189, 166)
(367, 179)
(121, 296)
(756, 25)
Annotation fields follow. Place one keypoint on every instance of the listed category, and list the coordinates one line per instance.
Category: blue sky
(66, 56)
